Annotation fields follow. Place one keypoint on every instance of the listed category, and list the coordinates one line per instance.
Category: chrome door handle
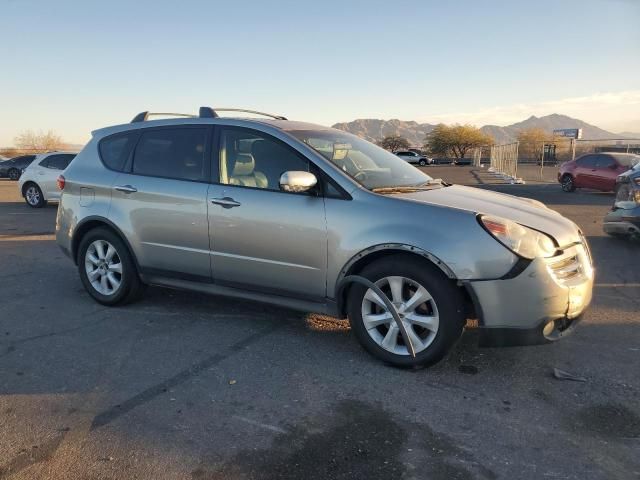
(126, 188)
(226, 202)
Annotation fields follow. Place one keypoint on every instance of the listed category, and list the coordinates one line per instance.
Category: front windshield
(371, 166)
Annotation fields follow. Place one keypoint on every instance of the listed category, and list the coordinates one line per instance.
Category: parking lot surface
(188, 386)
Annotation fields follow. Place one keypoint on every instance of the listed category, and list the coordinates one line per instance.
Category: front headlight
(523, 241)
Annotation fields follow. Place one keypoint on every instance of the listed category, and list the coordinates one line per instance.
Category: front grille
(566, 268)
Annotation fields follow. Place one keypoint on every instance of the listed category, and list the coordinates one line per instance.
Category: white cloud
(615, 111)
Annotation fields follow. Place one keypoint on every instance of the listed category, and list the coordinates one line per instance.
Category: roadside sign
(568, 132)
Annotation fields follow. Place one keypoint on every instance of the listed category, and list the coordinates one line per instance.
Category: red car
(595, 170)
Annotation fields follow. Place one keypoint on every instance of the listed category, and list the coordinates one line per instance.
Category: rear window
(172, 153)
(114, 150)
(628, 160)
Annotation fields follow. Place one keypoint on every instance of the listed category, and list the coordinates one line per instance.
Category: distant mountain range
(374, 130)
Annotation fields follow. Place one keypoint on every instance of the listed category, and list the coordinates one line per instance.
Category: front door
(262, 238)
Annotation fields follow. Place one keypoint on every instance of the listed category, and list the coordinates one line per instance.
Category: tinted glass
(23, 161)
(172, 153)
(604, 161)
(588, 161)
(114, 150)
(252, 159)
(59, 162)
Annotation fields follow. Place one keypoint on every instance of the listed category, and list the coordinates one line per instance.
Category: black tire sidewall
(444, 292)
(42, 202)
(563, 181)
(130, 279)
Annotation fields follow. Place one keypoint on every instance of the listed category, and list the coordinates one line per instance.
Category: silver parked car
(319, 220)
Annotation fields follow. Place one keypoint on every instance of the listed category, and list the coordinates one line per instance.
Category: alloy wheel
(416, 308)
(103, 267)
(33, 195)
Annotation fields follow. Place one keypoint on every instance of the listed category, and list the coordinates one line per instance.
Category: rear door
(264, 239)
(160, 201)
(605, 174)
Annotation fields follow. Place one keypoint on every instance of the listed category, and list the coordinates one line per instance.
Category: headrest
(245, 165)
(244, 145)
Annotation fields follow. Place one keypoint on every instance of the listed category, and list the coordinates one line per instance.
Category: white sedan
(38, 182)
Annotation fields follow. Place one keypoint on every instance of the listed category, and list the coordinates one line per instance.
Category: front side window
(253, 159)
(371, 166)
(177, 153)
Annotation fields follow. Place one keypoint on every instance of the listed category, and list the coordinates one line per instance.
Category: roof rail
(205, 112)
(276, 117)
(144, 116)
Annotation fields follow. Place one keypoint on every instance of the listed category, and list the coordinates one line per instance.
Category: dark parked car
(624, 217)
(595, 170)
(13, 167)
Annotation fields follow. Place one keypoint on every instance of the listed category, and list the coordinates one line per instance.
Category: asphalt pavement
(187, 386)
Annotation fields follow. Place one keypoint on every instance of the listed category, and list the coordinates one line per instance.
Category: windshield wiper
(430, 185)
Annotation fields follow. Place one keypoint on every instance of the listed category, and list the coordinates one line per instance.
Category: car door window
(256, 160)
(588, 161)
(177, 153)
(604, 161)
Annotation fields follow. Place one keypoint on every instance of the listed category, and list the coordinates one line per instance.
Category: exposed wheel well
(89, 225)
(375, 256)
(26, 184)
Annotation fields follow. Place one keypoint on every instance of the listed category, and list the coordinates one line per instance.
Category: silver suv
(318, 220)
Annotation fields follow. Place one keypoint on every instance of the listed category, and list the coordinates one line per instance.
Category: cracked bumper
(540, 305)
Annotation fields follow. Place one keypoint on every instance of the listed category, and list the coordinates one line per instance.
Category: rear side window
(58, 162)
(114, 150)
(172, 153)
(604, 161)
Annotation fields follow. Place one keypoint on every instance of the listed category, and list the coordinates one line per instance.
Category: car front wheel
(567, 183)
(429, 305)
(422, 162)
(107, 269)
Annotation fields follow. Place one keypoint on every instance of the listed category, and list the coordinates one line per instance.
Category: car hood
(524, 211)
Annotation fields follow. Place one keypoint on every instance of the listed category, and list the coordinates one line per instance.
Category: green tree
(393, 143)
(455, 140)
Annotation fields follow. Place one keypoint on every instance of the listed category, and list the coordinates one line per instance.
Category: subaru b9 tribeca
(317, 220)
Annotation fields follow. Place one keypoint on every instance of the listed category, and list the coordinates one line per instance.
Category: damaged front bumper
(540, 305)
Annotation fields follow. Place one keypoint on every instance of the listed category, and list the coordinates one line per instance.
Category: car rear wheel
(13, 174)
(33, 196)
(567, 183)
(429, 305)
(107, 269)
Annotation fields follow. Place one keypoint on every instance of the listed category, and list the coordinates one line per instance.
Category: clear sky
(76, 66)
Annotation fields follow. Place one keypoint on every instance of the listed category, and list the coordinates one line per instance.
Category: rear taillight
(61, 182)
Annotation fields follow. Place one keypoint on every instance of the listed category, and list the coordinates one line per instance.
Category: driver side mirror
(297, 181)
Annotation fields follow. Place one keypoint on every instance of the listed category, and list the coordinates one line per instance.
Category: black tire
(33, 195)
(567, 183)
(131, 287)
(14, 174)
(422, 162)
(447, 297)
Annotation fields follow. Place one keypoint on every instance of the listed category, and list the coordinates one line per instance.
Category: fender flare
(346, 269)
